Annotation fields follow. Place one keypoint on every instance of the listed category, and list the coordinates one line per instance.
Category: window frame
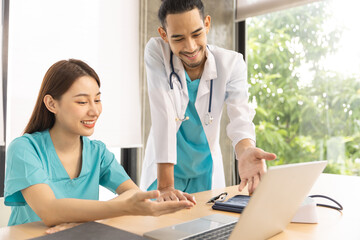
(4, 46)
(240, 42)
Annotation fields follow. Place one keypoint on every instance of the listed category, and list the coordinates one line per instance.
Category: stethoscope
(177, 96)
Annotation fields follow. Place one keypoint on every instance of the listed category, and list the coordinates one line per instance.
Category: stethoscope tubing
(173, 73)
(178, 78)
(210, 97)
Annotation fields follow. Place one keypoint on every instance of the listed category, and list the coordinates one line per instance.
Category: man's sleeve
(161, 109)
(240, 112)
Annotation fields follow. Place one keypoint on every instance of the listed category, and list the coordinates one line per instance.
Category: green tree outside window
(304, 111)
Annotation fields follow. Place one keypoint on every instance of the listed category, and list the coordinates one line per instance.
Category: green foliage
(303, 118)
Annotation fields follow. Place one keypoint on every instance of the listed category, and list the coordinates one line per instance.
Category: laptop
(270, 209)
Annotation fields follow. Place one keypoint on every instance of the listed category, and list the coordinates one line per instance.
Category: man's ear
(163, 34)
(50, 103)
(207, 23)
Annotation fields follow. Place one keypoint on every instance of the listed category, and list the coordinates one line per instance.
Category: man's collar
(209, 66)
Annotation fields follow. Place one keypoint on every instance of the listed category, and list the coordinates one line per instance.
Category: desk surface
(332, 224)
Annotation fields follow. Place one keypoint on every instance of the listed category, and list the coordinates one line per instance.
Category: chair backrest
(4, 213)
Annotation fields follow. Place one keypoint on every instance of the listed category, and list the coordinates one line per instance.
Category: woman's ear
(50, 103)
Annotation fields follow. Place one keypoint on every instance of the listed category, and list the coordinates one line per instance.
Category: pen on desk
(221, 197)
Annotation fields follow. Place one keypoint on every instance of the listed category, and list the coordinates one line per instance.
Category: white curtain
(103, 33)
(252, 8)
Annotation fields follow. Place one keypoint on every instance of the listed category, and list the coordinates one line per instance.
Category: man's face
(186, 35)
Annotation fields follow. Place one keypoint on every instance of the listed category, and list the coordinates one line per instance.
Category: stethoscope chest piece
(208, 119)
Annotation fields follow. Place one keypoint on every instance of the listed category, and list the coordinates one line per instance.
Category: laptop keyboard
(216, 234)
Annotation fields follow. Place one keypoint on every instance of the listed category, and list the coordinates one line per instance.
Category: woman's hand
(140, 204)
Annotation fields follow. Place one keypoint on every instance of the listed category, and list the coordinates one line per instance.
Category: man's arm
(165, 176)
(241, 130)
(166, 187)
(251, 163)
(163, 128)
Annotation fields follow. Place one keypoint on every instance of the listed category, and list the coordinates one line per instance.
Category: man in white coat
(188, 83)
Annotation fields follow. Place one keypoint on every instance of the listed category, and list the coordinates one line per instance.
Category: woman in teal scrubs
(54, 170)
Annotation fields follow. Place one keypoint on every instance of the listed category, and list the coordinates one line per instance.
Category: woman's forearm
(79, 210)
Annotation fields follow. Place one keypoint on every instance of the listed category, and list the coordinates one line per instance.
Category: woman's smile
(88, 123)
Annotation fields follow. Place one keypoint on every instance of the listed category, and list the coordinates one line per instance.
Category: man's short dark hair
(178, 6)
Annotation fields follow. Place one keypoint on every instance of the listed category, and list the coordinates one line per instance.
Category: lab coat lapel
(208, 74)
(179, 69)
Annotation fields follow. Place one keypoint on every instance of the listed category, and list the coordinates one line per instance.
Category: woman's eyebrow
(85, 94)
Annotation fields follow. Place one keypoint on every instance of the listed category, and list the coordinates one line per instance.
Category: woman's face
(79, 108)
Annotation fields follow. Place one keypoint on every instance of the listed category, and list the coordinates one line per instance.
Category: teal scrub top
(194, 160)
(32, 159)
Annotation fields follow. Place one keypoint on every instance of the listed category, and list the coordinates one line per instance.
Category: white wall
(2, 138)
(103, 33)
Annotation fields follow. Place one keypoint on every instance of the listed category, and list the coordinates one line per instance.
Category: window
(304, 71)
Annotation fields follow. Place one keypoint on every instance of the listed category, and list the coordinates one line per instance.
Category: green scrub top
(193, 170)
(32, 159)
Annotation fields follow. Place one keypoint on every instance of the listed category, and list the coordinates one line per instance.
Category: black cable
(339, 208)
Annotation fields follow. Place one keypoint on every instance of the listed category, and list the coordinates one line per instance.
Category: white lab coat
(228, 71)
